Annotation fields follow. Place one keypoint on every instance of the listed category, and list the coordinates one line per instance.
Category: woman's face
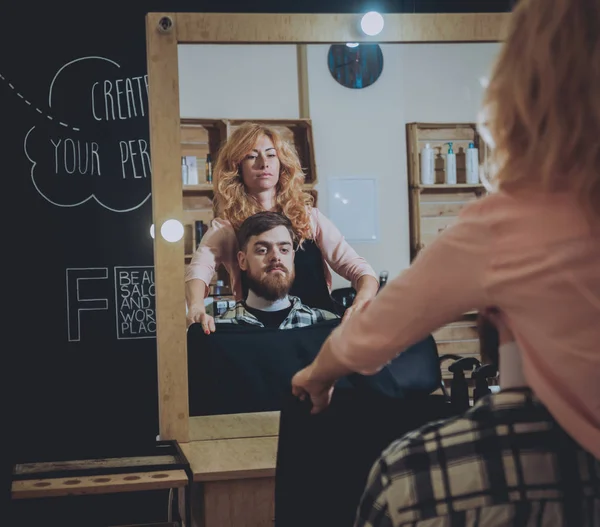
(260, 167)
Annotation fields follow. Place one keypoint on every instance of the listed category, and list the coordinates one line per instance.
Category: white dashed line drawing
(28, 102)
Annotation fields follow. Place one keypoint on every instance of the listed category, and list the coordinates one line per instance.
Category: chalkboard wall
(79, 347)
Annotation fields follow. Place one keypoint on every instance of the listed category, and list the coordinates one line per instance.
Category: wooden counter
(233, 460)
(227, 459)
(233, 426)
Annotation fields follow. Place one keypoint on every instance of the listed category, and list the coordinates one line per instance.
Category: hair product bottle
(450, 166)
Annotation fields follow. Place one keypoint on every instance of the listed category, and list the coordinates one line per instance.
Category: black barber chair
(481, 376)
(323, 460)
(459, 387)
(343, 299)
(344, 296)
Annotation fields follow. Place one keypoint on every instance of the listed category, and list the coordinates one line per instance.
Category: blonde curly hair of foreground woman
(542, 103)
(234, 204)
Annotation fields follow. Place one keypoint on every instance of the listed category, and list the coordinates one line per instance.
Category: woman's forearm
(367, 287)
(326, 368)
(195, 292)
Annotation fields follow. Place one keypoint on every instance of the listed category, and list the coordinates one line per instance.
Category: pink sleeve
(338, 253)
(216, 247)
(445, 281)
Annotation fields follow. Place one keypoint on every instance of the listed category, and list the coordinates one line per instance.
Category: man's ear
(242, 262)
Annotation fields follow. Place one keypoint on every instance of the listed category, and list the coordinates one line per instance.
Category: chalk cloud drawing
(88, 148)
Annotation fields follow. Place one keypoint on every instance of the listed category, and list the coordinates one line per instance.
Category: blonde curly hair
(541, 112)
(232, 201)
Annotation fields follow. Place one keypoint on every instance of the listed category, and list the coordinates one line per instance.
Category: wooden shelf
(209, 187)
(202, 187)
(273, 122)
(200, 137)
(442, 186)
(74, 486)
(433, 208)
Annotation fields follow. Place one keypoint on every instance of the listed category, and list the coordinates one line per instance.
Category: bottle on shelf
(209, 174)
(199, 226)
(450, 166)
(184, 172)
(220, 301)
(472, 165)
(218, 288)
(427, 166)
(192, 164)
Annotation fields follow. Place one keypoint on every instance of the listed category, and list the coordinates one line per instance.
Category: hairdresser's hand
(200, 316)
(366, 289)
(357, 306)
(304, 384)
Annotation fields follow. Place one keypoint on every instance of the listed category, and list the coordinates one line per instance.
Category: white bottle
(472, 165)
(427, 166)
(450, 166)
(184, 172)
(192, 164)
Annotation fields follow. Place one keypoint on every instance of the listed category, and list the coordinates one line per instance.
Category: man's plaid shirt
(299, 316)
(505, 462)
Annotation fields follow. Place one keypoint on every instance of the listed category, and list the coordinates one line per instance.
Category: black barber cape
(240, 369)
(324, 460)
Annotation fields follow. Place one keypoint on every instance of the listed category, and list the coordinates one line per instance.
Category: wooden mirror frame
(164, 31)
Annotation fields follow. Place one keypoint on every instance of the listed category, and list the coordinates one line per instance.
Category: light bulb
(172, 230)
(352, 44)
(152, 231)
(372, 23)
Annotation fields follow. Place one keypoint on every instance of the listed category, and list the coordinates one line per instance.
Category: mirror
(352, 144)
(359, 147)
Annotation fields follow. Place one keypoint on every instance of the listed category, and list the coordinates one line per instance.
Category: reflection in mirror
(386, 167)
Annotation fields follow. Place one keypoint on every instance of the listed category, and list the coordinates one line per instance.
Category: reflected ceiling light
(352, 44)
(371, 23)
(172, 230)
(152, 230)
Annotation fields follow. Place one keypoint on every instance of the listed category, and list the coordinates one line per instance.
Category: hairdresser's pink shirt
(538, 260)
(219, 246)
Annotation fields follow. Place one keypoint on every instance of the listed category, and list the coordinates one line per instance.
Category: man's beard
(273, 286)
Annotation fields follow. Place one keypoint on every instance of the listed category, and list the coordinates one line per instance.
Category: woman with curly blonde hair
(531, 248)
(256, 170)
